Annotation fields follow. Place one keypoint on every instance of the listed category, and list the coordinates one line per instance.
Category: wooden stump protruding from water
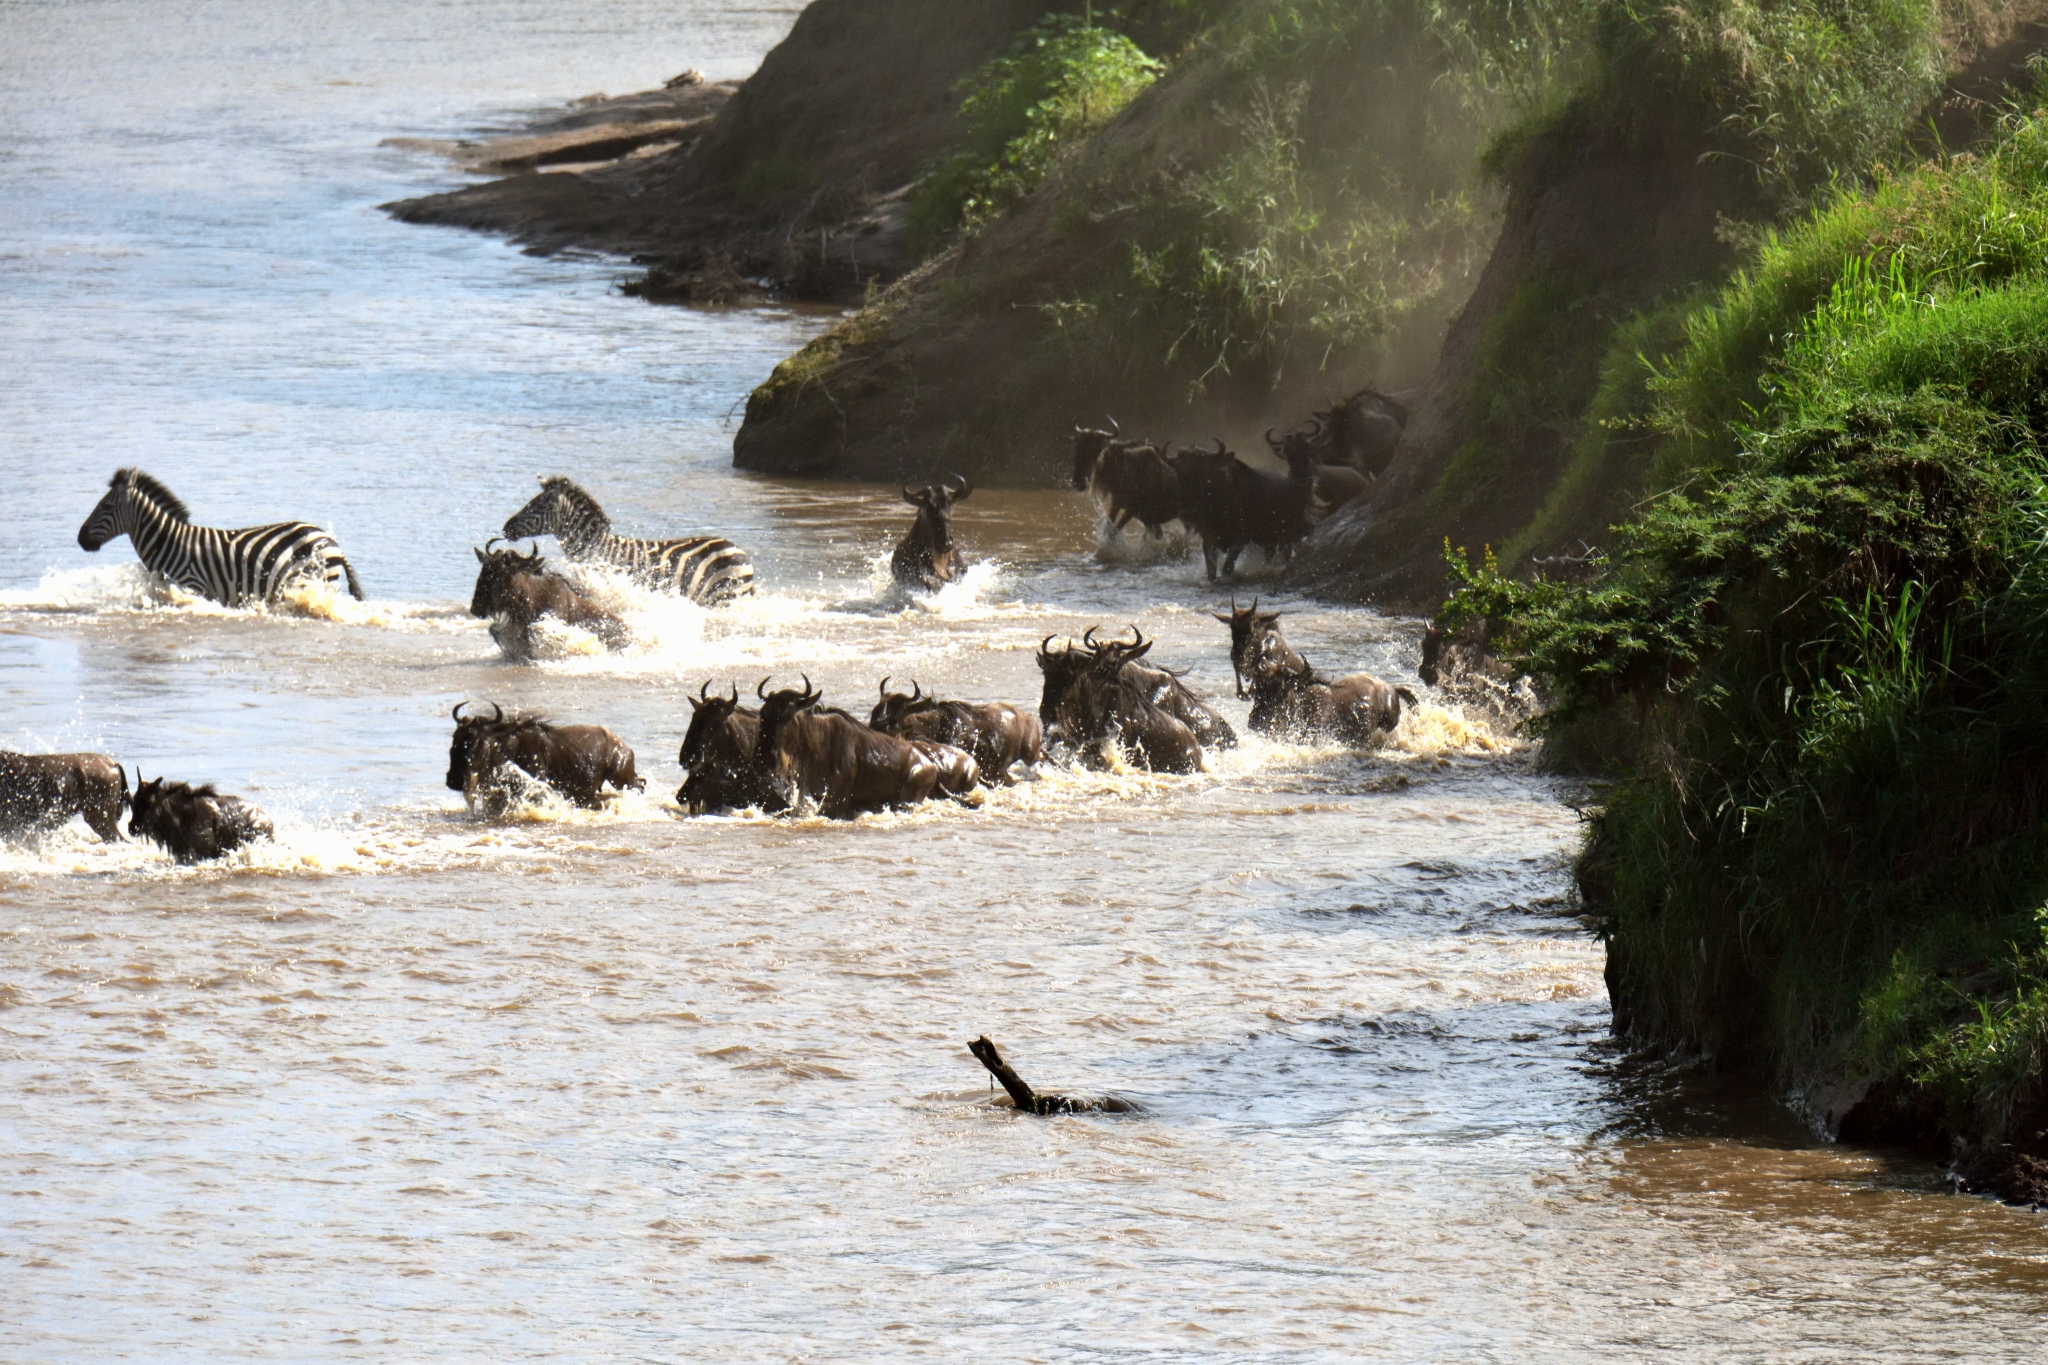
(1031, 1101)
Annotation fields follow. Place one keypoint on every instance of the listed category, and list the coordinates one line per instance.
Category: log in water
(614, 1084)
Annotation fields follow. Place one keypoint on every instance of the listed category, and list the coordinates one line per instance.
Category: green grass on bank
(1829, 648)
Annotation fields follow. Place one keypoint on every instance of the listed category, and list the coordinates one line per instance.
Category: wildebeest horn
(916, 690)
(761, 687)
(498, 713)
(1088, 637)
(810, 695)
(1270, 441)
(494, 540)
(481, 558)
(960, 493)
(883, 686)
(1045, 647)
(912, 496)
(1137, 636)
(1221, 449)
(705, 690)
(1112, 424)
(735, 694)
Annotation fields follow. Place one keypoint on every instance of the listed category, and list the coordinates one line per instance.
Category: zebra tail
(355, 589)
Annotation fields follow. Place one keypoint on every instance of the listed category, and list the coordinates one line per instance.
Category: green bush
(1830, 841)
(1025, 110)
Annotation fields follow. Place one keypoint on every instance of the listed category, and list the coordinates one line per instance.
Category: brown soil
(794, 179)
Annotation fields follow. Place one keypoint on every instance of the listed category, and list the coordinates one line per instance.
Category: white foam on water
(1136, 546)
(131, 589)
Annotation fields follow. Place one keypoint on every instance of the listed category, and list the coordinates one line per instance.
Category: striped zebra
(705, 569)
(233, 568)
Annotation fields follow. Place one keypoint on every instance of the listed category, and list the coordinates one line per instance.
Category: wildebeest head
(469, 734)
(1089, 443)
(931, 535)
(496, 569)
(776, 709)
(894, 706)
(1108, 657)
(1061, 667)
(707, 718)
(1255, 642)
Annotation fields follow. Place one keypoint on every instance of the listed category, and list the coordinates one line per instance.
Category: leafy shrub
(1023, 111)
(1832, 642)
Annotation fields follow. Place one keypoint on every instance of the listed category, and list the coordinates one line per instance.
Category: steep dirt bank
(1275, 222)
(796, 180)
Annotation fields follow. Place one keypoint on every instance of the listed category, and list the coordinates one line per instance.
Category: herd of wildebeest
(1105, 702)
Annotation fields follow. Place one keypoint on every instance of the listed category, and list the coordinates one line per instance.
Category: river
(620, 1085)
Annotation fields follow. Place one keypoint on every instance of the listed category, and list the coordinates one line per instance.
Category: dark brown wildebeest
(518, 590)
(194, 823)
(959, 774)
(832, 760)
(1255, 642)
(1363, 430)
(1131, 479)
(718, 755)
(578, 761)
(1094, 705)
(1335, 484)
(1294, 702)
(42, 791)
(997, 734)
(1287, 696)
(926, 557)
(1166, 690)
(1233, 506)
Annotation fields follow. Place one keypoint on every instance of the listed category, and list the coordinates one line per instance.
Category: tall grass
(1832, 638)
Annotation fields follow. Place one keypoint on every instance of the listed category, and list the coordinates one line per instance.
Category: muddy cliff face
(795, 181)
(1135, 281)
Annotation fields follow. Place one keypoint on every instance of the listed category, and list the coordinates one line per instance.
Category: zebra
(232, 568)
(705, 569)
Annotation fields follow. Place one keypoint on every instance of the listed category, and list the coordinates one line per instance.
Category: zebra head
(561, 510)
(131, 498)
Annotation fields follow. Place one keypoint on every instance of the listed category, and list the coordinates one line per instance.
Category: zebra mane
(581, 500)
(147, 485)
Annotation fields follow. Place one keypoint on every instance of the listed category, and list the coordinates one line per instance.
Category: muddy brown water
(618, 1085)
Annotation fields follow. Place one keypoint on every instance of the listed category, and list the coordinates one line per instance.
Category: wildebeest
(1363, 430)
(518, 590)
(1232, 506)
(1095, 705)
(1255, 642)
(1335, 484)
(42, 791)
(578, 761)
(1295, 702)
(1131, 479)
(718, 755)
(997, 734)
(832, 760)
(926, 557)
(194, 823)
(1287, 696)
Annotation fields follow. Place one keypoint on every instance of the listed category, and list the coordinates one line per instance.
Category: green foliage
(1805, 90)
(1938, 233)
(1832, 642)
(1259, 259)
(1025, 110)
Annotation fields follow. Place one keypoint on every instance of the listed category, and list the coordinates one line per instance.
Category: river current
(620, 1085)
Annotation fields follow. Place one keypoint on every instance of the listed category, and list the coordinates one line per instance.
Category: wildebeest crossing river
(614, 1084)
